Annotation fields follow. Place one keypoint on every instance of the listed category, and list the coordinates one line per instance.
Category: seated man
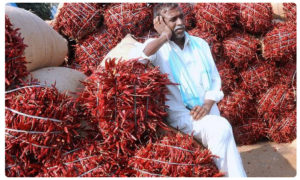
(192, 103)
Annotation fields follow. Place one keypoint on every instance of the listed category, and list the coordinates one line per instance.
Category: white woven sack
(45, 46)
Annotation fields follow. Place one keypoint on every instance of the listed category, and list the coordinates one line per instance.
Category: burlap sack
(278, 12)
(67, 80)
(45, 46)
(128, 48)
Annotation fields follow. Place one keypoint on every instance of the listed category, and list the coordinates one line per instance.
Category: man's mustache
(179, 27)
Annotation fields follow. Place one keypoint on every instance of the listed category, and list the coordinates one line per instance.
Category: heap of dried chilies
(76, 20)
(215, 18)
(40, 124)
(258, 78)
(290, 11)
(126, 101)
(255, 17)
(280, 43)
(90, 51)
(240, 49)
(15, 61)
(228, 77)
(237, 107)
(251, 131)
(124, 18)
(87, 159)
(189, 16)
(174, 155)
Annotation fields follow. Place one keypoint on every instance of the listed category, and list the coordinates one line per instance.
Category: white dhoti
(215, 133)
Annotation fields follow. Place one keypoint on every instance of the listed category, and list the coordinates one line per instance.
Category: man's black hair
(160, 6)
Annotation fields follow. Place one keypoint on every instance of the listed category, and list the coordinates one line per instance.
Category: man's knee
(223, 129)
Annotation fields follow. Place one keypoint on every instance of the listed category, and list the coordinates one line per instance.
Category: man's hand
(161, 27)
(199, 112)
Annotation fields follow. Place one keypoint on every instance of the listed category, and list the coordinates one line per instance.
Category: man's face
(175, 20)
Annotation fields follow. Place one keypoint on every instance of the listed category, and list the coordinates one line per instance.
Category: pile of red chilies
(228, 77)
(290, 10)
(189, 16)
(278, 108)
(258, 78)
(277, 99)
(76, 20)
(240, 49)
(15, 68)
(216, 18)
(88, 159)
(40, 124)
(90, 51)
(255, 17)
(237, 107)
(124, 18)
(284, 128)
(280, 43)
(251, 131)
(126, 101)
(174, 155)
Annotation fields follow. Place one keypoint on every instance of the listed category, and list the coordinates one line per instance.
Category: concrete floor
(269, 159)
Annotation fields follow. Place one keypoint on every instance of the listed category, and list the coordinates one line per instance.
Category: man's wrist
(164, 37)
(208, 104)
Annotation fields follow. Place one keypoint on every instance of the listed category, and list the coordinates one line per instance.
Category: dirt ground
(269, 159)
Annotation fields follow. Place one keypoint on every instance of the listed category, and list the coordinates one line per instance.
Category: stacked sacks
(278, 108)
(290, 11)
(279, 44)
(237, 107)
(216, 18)
(256, 18)
(258, 78)
(283, 129)
(240, 49)
(40, 123)
(76, 20)
(252, 131)
(124, 18)
(228, 77)
(126, 102)
(90, 51)
(276, 100)
(15, 68)
(174, 155)
(44, 46)
(287, 74)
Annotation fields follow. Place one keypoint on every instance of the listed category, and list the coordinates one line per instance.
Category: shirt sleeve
(215, 93)
(143, 56)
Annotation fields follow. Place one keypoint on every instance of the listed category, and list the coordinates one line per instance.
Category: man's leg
(215, 133)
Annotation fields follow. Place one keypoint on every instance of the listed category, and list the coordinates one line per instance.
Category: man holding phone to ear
(192, 104)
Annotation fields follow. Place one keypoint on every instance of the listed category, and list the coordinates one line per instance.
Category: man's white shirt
(161, 59)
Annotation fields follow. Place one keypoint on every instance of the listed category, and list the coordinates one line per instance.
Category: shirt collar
(186, 39)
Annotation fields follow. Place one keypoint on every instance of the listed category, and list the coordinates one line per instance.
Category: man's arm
(165, 34)
(214, 95)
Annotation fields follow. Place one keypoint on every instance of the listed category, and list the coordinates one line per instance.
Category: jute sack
(128, 48)
(45, 46)
(278, 12)
(66, 80)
